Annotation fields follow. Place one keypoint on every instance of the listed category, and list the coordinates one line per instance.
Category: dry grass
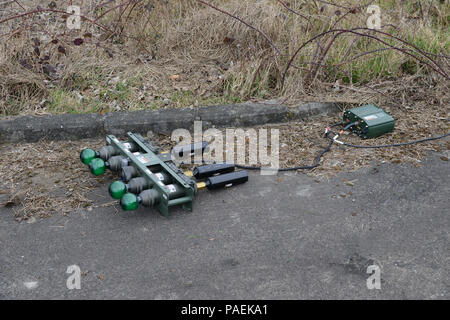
(44, 178)
(210, 56)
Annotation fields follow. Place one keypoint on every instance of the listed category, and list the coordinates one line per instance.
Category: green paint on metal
(117, 189)
(87, 155)
(169, 185)
(97, 166)
(144, 161)
(373, 121)
(129, 202)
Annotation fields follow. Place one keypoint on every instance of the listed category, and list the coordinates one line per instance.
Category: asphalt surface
(276, 237)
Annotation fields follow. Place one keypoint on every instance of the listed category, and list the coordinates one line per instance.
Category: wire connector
(336, 140)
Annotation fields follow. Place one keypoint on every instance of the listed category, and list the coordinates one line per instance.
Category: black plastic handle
(226, 180)
(202, 172)
(190, 149)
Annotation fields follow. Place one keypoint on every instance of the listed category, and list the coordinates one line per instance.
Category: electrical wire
(315, 164)
(394, 144)
(350, 125)
(334, 139)
(328, 131)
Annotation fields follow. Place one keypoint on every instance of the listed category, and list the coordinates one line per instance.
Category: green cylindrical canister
(105, 152)
(87, 155)
(117, 189)
(129, 202)
(147, 198)
(97, 166)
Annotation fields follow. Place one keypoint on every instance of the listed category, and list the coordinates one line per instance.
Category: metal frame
(153, 159)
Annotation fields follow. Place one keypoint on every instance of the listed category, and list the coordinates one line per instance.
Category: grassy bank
(132, 55)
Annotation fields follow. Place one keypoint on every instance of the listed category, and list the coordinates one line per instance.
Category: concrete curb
(80, 126)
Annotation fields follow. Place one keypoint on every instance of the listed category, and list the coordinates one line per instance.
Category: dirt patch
(45, 177)
(143, 54)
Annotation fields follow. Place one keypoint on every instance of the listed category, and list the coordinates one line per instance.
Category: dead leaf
(24, 63)
(228, 40)
(61, 49)
(78, 41)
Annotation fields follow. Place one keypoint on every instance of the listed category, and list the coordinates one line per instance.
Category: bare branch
(242, 21)
(436, 66)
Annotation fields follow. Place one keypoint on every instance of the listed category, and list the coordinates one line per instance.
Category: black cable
(394, 144)
(319, 156)
(336, 124)
(350, 125)
(315, 164)
(328, 148)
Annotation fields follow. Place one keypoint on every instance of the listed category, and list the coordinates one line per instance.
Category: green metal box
(373, 121)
